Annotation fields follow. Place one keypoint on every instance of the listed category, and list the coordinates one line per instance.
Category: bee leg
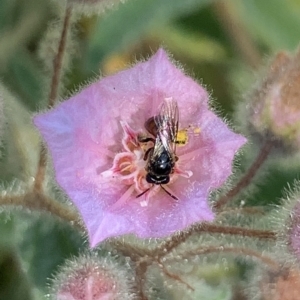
(169, 193)
(147, 153)
(142, 139)
(141, 194)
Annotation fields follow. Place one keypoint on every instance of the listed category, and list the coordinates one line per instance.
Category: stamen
(124, 164)
(126, 169)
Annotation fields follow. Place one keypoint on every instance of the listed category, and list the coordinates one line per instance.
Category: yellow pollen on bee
(182, 137)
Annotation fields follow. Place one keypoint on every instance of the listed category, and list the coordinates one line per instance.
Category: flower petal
(85, 136)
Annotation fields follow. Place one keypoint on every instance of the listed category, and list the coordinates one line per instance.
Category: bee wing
(158, 148)
(166, 122)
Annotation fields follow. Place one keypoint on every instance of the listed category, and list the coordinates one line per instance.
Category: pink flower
(93, 278)
(275, 107)
(95, 140)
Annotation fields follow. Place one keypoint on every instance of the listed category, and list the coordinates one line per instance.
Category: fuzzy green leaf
(274, 22)
(123, 27)
(45, 246)
(25, 78)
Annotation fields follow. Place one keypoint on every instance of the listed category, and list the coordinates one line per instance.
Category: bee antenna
(141, 194)
(168, 193)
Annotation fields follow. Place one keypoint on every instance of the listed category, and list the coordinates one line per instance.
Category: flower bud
(287, 226)
(275, 108)
(92, 278)
(294, 231)
(283, 285)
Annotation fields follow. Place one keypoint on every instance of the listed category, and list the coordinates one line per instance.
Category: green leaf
(6, 12)
(202, 290)
(275, 23)
(14, 284)
(21, 140)
(45, 245)
(25, 78)
(7, 230)
(124, 26)
(205, 292)
(195, 47)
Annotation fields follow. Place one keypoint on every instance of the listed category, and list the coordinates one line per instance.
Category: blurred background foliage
(224, 44)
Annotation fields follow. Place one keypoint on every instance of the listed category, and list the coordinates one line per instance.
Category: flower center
(136, 167)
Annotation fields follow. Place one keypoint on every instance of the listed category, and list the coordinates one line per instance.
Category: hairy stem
(237, 32)
(57, 68)
(181, 237)
(174, 276)
(255, 210)
(40, 202)
(41, 169)
(134, 252)
(247, 178)
(57, 62)
(141, 269)
(236, 250)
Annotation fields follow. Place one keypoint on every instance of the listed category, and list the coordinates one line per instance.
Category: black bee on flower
(161, 158)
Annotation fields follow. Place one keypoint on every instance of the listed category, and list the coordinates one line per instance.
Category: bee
(161, 158)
